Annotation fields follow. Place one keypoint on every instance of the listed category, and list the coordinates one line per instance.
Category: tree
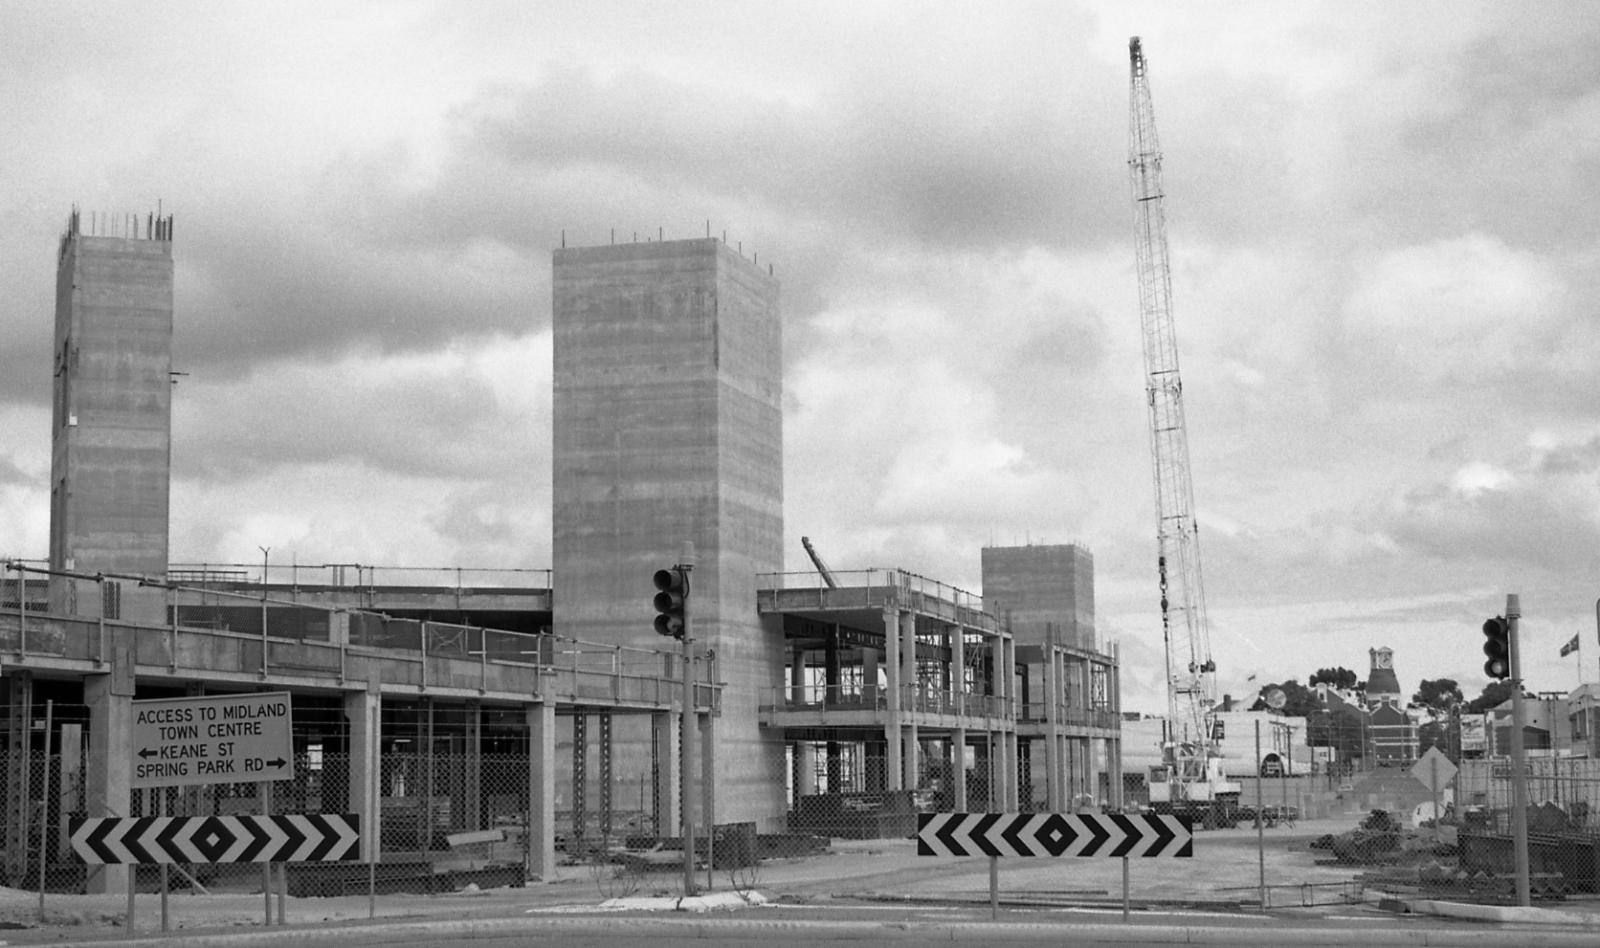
(1339, 677)
(1299, 701)
(1437, 695)
(1494, 694)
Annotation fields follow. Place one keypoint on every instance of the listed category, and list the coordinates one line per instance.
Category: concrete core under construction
(668, 429)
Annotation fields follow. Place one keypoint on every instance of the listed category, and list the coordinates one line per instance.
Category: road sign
(1424, 771)
(1053, 834)
(241, 738)
(295, 837)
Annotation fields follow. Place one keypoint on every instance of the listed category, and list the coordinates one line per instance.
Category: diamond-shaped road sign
(1053, 834)
(1434, 765)
(292, 837)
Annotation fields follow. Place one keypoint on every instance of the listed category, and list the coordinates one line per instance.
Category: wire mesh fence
(452, 785)
(1460, 846)
(842, 788)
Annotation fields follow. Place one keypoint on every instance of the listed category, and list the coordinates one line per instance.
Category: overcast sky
(1385, 274)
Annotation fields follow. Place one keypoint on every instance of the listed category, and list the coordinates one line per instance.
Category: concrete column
(911, 759)
(908, 656)
(338, 627)
(893, 772)
(912, 687)
(1013, 778)
(19, 770)
(541, 717)
(110, 701)
(1052, 731)
(805, 769)
(1008, 674)
(797, 677)
(958, 766)
(958, 661)
(364, 712)
(471, 802)
(71, 754)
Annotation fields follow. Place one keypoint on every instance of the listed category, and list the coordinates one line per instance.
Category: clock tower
(1382, 685)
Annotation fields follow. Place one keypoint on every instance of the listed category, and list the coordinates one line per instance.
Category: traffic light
(1497, 645)
(672, 592)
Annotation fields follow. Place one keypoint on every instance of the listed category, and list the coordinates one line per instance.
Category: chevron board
(295, 837)
(1053, 834)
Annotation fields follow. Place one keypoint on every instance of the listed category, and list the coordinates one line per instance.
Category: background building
(111, 436)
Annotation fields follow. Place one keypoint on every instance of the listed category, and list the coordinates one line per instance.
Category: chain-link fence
(42, 792)
(1460, 845)
(452, 786)
(839, 788)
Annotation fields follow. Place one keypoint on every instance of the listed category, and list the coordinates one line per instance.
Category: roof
(1382, 681)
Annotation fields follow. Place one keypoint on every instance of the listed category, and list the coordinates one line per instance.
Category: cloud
(476, 411)
(1530, 517)
(1383, 270)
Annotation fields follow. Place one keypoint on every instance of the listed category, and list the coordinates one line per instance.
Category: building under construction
(533, 717)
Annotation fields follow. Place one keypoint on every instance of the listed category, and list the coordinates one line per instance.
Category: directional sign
(1434, 765)
(212, 739)
(294, 837)
(1053, 834)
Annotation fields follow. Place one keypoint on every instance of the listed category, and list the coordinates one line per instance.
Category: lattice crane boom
(1185, 632)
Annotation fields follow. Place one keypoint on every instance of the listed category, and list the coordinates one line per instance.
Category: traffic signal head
(1497, 645)
(672, 589)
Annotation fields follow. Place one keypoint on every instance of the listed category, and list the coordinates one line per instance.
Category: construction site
(523, 715)
(491, 725)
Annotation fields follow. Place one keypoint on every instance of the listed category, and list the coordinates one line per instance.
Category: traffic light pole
(1519, 757)
(686, 734)
(672, 618)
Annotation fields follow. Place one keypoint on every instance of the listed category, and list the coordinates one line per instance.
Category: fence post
(44, 816)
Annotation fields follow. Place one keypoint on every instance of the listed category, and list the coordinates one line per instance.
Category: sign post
(1053, 834)
(211, 739)
(1435, 771)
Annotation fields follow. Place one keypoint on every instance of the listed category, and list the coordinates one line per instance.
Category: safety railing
(907, 586)
(358, 575)
(859, 698)
(297, 638)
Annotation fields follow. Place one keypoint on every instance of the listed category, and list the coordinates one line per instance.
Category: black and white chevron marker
(294, 837)
(1053, 834)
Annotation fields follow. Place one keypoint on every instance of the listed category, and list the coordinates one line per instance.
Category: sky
(1384, 253)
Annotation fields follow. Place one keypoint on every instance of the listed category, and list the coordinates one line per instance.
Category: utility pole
(1519, 757)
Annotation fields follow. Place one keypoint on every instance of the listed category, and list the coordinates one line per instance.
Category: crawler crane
(1189, 779)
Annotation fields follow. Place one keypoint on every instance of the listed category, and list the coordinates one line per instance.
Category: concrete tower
(1040, 587)
(112, 433)
(668, 428)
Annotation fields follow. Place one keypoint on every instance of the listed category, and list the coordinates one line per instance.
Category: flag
(1570, 647)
